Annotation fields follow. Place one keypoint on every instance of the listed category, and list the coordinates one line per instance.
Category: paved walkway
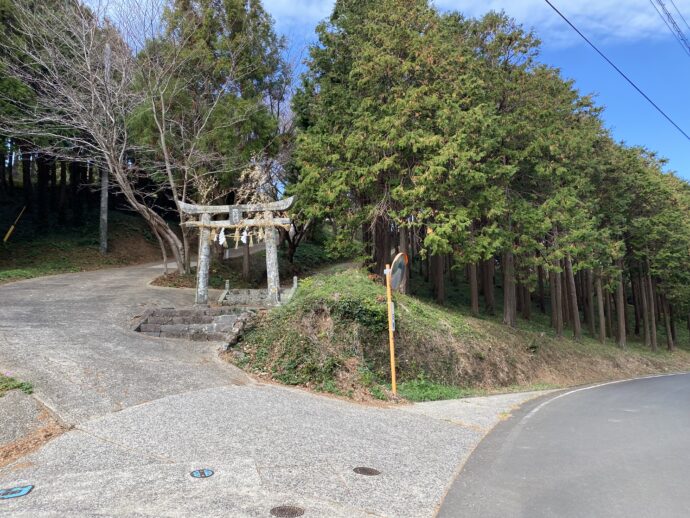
(146, 412)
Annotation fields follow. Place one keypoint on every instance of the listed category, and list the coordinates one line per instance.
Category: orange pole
(391, 339)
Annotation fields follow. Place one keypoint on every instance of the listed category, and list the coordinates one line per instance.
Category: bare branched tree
(112, 84)
(81, 70)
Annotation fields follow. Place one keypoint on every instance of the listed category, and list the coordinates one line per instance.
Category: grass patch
(7, 384)
(421, 389)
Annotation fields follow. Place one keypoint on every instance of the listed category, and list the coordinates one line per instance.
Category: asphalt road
(621, 449)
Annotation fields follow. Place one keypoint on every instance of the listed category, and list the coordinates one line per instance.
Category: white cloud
(603, 20)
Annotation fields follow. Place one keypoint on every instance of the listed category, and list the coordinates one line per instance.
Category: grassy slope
(333, 337)
(31, 254)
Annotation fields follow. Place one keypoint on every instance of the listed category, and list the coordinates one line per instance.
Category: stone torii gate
(263, 217)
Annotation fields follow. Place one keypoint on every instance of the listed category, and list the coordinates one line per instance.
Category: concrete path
(145, 412)
(616, 450)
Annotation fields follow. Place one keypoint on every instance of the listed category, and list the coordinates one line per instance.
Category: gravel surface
(19, 416)
(149, 411)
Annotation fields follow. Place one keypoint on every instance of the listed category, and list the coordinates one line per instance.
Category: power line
(670, 22)
(680, 14)
(662, 112)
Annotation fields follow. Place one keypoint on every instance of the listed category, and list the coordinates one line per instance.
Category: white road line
(542, 405)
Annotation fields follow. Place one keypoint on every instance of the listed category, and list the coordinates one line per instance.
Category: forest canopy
(444, 136)
(410, 129)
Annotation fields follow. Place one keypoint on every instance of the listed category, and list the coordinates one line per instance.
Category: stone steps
(203, 324)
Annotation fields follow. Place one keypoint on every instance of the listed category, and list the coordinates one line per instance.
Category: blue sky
(629, 32)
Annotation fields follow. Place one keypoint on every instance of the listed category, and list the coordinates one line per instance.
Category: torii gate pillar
(203, 261)
(272, 272)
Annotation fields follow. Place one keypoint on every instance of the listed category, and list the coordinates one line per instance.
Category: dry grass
(50, 429)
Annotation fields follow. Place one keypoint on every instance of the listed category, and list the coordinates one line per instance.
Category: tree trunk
(583, 299)
(488, 281)
(558, 310)
(27, 188)
(526, 303)
(609, 316)
(540, 290)
(62, 198)
(552, 295)
(636, 302)
(671, 314)
(103, 221)
(245, 260)
(405, 248)
(366, 239)
(75, 173)
(620, 308)
(382, 244)
(572, 291)
(600, 306)
(90, 185)
(186, 247)
(474, 289)
(437, 264)
(652, 309)
(657, 301)
(10, 167)
(509, 302)
(626, 310)
(582, 291)
(565, 296)
(292, 248)
(590, 303)
(42, 179)
(642, 283)
(3, 179)
(164, 253)
(667, 322)
(53, 186)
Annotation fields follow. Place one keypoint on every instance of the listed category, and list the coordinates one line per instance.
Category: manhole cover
(202, 473)
(287, 511)
(369, 472)
(15, 492)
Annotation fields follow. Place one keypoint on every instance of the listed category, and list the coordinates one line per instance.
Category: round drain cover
(202, 473)
(369, 472)
(287, 511)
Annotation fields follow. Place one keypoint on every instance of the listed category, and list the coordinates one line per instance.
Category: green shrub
(367, 313)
